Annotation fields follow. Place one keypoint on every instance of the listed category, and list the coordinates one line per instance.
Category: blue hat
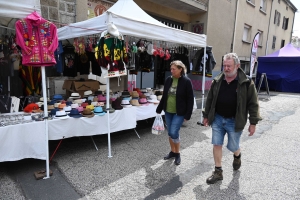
(68, 103)
(99, 111)
(53, 111)
(57, 97)
(75, 113)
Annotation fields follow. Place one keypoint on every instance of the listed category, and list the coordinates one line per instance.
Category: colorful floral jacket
(38, 39)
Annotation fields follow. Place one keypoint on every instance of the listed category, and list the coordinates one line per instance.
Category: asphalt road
(270, 163)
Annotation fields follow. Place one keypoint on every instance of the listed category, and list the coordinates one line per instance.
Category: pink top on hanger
(38, 40)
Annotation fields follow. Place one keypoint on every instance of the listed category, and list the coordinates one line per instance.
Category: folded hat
(91, 107)
(74, 105)
(30, 107)
(90, 98)
(95, 99)
(74, 95)
(101, 104)
(126, 98)
(125, 94)
(94, 103)
(56, 105)
(61, 105)
(99, 111)
(78, 101)
(84, 104)
(53, 112)
(101, 98)
(153, 99)
(80, 109)
(117, 104)
(98, 92)
(57, 97)
(75, 113)
(143, 102)
(67, 109)
(87, 93)
(87, 113)
(135, 94)
(125, 103)
(110, 109)
(134, 102)
(61, 114)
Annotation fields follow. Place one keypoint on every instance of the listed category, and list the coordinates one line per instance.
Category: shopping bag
(195, 105)
(158, 125)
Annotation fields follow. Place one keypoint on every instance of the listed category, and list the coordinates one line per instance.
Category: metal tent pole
(46, 120)
(203, 87)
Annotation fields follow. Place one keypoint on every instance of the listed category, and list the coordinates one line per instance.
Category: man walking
(231, 98)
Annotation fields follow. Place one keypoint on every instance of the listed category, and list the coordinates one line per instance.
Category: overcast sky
(296, 31)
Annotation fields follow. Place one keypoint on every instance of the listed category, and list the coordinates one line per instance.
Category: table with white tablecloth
(146, 112)
(97, 125)
(23, 141)
(28, 140)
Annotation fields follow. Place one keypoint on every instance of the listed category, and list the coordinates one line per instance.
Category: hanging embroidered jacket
(38, 39)
(200, 58)
(112, 52)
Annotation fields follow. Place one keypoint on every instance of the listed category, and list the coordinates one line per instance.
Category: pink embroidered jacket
(38, 39)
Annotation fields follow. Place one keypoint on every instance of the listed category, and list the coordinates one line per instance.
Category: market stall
(136, 23)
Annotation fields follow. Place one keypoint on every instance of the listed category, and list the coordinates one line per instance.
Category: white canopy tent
(131, 20)
(10, 12)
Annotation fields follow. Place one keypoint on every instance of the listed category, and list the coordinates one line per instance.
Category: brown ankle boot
(217, 175)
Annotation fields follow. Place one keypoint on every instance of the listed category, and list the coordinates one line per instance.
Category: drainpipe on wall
(233, 35)
(75, 11)
(292, 27)
(269, 28)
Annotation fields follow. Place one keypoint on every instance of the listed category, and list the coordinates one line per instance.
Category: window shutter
(283, 23)
(275, 16)
(279, 15)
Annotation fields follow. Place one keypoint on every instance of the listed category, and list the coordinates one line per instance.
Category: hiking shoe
(177, 159)
(217, 175)
(236, 162)
(169, 155)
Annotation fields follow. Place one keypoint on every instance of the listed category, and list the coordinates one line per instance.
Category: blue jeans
(174, 123)
(221, 126)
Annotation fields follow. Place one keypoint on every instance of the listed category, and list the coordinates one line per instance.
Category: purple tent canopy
(298, 48)
(282, 69)
(287, 51)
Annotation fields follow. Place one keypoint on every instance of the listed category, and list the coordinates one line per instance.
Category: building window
(282, 43)
(263, 5)
(260, 41)
(285, 23)
(287, 8)
(277, 18)
(273, 42)
(247, 33)
(279, 1)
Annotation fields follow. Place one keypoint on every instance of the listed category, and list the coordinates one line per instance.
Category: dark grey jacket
(184, 97)
(247, 102)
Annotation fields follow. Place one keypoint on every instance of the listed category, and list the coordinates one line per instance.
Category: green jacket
(247, 102)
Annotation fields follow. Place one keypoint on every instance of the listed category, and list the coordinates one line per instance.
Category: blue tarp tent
(282, 69)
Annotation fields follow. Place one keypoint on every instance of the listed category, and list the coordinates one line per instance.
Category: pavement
(270, 163)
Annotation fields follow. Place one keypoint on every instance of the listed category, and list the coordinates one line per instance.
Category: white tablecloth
(28, 140)
(23, 141)
(72, 127)
(146, 112)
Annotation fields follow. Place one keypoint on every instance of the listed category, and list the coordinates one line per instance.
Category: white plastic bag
(158, 126)
(195, 105)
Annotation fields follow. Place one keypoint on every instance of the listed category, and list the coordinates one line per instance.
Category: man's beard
(231, 74)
